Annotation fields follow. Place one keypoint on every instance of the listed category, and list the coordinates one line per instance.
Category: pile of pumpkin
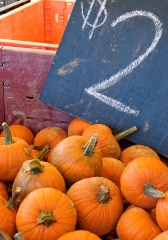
(80, 184)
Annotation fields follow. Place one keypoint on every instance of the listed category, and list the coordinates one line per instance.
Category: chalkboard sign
(112, 67)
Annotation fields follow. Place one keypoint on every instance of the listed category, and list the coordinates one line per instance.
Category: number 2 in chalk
(94, 90)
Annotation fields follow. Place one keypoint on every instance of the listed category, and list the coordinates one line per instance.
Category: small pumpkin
(99, 204)
(36, 174)
(46, 213)
(77, 127)
(76, 158)
(162, 212)
(20, 131)
(79, 235)
(143, 181)
(13, 152)
(135, 224)
(135, 151)
(50, 136)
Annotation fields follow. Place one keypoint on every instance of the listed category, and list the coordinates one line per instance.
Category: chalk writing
(95, 24)
(122, 73)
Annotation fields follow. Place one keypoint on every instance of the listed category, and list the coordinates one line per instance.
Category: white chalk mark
(122, 73)
(95, 24)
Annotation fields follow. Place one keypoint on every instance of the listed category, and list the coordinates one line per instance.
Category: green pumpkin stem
(43, 152)
(90, 145)
(33, 166)
(125, 133)
(19, 236)
(10, 202)
(104, 195)
(8, 135)
(46, 218)
(151, 191)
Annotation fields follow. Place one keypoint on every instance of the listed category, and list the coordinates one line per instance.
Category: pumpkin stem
(8, 135)
(4, 236)
(125, 133)
(43, 152)
(36, 147)
(90, 145)
(11, 200)
(46, 218)
(151, 191)
(33, 166)
(104, 195)
(19, 236)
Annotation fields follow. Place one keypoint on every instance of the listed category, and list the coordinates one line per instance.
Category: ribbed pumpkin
(76, 158)
(79, 235)
(8, 214)
(162, 212)
(50, 136)
(143, 181)
(37, 174)
(46, 213)
(13, 152)
(20, 131)
(135, 151)
(98, 203)
(112, 169)
(77, 127)
(136, 224)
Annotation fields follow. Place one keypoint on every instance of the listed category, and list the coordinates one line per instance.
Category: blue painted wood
(112, 67)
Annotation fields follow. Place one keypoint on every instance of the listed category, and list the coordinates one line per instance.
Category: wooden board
(111, 68)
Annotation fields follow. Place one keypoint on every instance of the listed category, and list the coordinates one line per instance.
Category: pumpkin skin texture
(77, 127)
(162, 212)
(143, 181)
(46, 213)
(76, 158)
(98, 203)
(36, 174)
(107, 143)
(79, 234)
(112, 169)
(50, 136)
(13, 152)
(20, 131)
(162, 236)
(135, 224)
(3, 191)
(135, 151)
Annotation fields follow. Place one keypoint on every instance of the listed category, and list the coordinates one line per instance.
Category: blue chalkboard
(112, 67)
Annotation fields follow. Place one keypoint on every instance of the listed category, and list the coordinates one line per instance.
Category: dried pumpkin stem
(90, 145)
(151, 191)
(4, 236)
(46, 218)
(36, 147)
(33, 166)
(8, 135)
(125, 133)
(19, 236)
(11, 200)
(104, 195)
(43, 152)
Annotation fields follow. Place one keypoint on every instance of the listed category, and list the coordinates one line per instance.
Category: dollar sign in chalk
(95, 24)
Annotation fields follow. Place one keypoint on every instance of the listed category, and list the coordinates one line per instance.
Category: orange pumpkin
(3, 190)
(46, 213)
(136, 224)
(143, 181)
(13, 152)
(135, 151)
(162, 212)
(77, 126)
(50, 136)
(20, 131)
(79, 235)
(162, 236)
(36, 174)
(76, 158)
(112, 169)
(98, 203)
